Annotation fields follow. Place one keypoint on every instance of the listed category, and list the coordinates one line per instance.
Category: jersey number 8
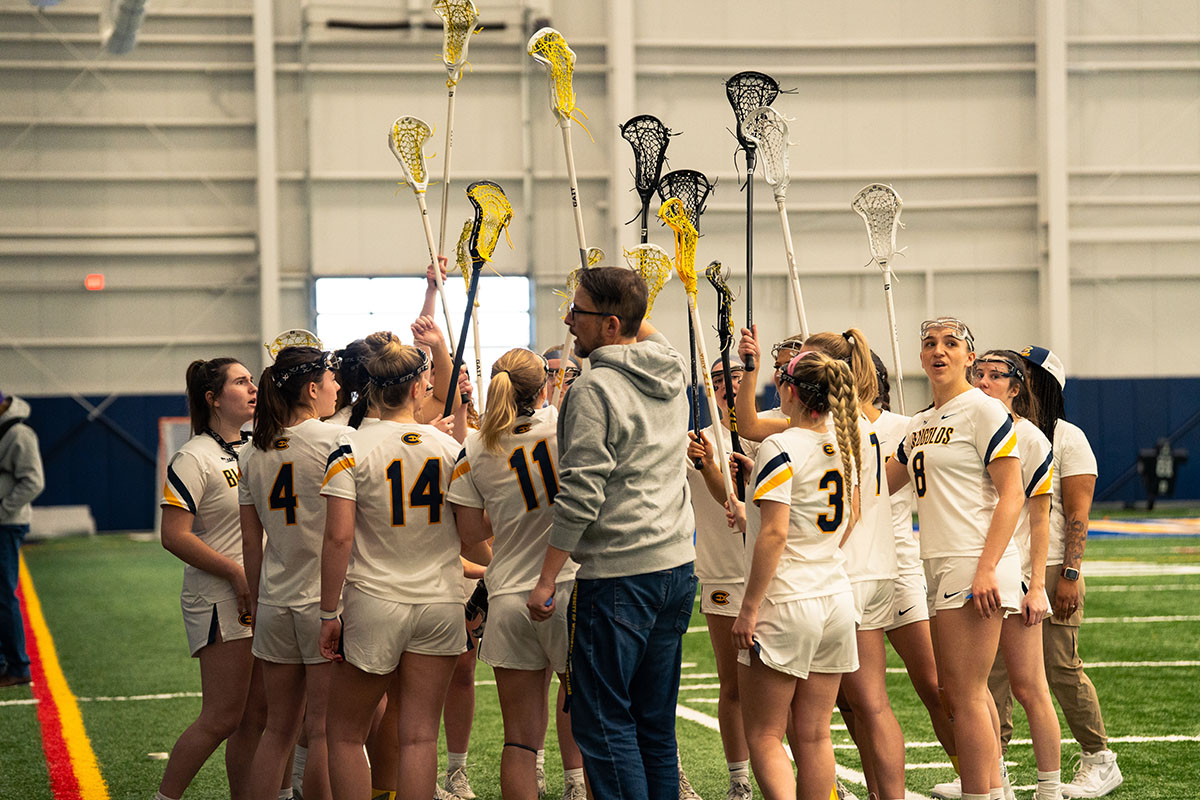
(918, 463)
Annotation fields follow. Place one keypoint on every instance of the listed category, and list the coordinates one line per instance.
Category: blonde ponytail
(517, 378)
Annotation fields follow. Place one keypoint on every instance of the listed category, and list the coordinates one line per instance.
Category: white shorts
(204, 620)
(910, 602)
(287, 635)
(873, 603)
(950, 577)
(514, 641)
(722, 599)
(376, 632)
(815, 634)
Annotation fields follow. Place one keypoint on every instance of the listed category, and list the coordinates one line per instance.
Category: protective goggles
(787, 344)
(1014, 370)
(953, 326)
(384, 381)
(569, 374)
(327, 361)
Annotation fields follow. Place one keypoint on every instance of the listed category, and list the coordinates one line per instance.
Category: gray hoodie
(623, 505)
(20, 466)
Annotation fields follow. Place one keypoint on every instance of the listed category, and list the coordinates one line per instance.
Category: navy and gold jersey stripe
(1040, 483)
(901, 453)
(1003, 443)
(773, 473)
(461, 468)
(181, 492)
(344, 450)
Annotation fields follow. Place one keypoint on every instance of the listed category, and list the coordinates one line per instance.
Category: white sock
(970, 796)
(285, 794)
(738, 769)
(996, 794)
(298, 761)
(456, 761)
(1047, 785)
(161, 796)
(541, 759)
(573, 777)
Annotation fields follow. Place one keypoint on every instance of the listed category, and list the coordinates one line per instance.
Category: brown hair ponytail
(393, 369)
(517, 377)
(204, 377)
(280, 388)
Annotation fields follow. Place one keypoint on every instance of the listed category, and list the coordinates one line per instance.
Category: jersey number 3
(426, 490)
(832, 482)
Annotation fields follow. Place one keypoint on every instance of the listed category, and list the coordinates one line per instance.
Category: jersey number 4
(282, 496)
(426, 490)
(519, 464)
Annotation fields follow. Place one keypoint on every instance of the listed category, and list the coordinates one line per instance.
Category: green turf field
(112, 607)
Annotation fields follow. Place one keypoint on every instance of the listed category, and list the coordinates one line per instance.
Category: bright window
(352, 308)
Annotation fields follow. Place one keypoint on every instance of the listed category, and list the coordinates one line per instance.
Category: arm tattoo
(1076, 539)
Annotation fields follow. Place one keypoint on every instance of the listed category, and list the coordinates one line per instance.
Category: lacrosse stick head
(675, 216)
(296, 337)
(654, 265)
(460, 19)
(407, 138)
(492, 215)
(767, 130)
(549, 48)
(690, 188)
(717, 276)
(462, 252)
(747, 91)
(594, 256)
(648, 137)
(879, 206)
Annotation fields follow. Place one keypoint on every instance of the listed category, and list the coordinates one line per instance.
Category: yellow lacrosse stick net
(674, 215)
(549, 48)
(594, 256)
(406, 139)
(654, 265)
(463, 251)
(296, 337)
(460, 19)
(492, 215)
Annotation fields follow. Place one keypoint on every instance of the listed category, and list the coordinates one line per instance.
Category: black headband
(813, 395)
(384, 381)
(326, 361)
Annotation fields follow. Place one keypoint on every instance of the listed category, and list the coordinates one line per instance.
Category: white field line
(845, 773)
(1086, 621)
(1144, 587)
(1126, 569)
(1116, 739)
(118, 699)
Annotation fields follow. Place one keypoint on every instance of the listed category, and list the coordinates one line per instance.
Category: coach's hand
(331, 637)
(541, 602)
(1066, 599)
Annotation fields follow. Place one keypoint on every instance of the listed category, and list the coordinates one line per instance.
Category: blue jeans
(13, 659)
(626, 649)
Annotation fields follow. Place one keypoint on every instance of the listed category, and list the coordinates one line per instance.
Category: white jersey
(1072, 456)
(720, 551)
(406, 545)
(1036, 471)
(947, 451)
(283, 484)
(802, 469)
(890, 428)
(516, 486)
(202, 479)
(871, 548)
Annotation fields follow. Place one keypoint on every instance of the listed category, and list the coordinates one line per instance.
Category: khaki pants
(1069, 684)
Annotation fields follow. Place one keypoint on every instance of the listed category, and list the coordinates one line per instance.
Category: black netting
(716, 276)
(747, 91)
(648, 137)
(691, 187)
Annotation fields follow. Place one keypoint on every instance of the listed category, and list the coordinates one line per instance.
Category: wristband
(328, 616)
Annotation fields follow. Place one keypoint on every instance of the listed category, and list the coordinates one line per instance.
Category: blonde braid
(843, 404)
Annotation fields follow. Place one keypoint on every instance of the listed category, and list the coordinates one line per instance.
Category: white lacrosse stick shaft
(581, 237)
(713, 412)
(437, 267)
(791, 264)
(441, 247)
(891, 311)
(478, 349)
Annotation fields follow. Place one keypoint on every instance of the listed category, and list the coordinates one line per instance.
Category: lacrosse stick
(880, 206)
(654, 265)
(492, 215)
(463, 257)
(747, 91)
(460, 19)
(691, 188)
(406, 138)
(768, 129)
(594, 256)
(673, 214)
(297, 337)
(649, 139)
(716, 276)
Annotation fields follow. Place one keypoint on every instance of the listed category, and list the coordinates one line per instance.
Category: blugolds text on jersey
(939, 435)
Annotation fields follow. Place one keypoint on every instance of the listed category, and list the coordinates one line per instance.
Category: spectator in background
(21, 481)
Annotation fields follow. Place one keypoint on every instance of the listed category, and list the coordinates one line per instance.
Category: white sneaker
(458, 785)
(686, 792)
(1098, 774)
(948, 791)
(842, 792)
(739, 789)
(1005, 783)
(440, 793)
(541, 783)
(574, 791)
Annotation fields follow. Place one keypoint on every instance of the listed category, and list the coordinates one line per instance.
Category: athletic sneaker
(739, 789)
(458, 785)
(686, 792)
(574, 791)
(441, 794)
(541, 782)
(1098, 774)
(948, 791)
(842, 792)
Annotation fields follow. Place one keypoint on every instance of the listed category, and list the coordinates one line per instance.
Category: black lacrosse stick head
(747, 91)
(648, 137)
(691, 187)
(716, 276)
(492, 215)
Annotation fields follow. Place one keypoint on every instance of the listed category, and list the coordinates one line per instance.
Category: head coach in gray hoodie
(20, 482)
(623, 511)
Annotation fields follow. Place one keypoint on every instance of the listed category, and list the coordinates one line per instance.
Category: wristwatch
(1070, 573)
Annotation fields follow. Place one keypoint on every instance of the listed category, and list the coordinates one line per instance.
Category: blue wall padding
(88, 464)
